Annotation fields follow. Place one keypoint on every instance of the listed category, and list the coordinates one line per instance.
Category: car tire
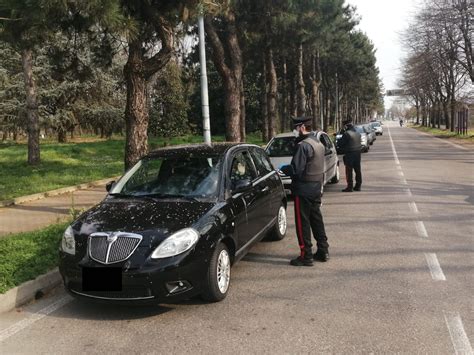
(217, 280)
(336, 177)
(278, 231)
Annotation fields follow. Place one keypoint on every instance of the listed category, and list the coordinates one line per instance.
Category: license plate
(101, 279)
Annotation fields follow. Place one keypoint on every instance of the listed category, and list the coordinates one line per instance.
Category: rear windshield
(281, 147)
(359, 129)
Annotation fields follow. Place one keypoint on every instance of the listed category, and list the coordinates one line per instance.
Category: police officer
(306, 171)
(351, 148)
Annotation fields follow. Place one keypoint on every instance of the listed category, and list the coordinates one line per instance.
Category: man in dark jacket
(351, 148)
(307, 175)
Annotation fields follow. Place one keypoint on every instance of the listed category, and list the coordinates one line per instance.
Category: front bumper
(151, 283)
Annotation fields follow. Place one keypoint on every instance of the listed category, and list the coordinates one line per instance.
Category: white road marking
(413, 207)
(421, 230)
(19, 326)
(399, 167)
(393, 148)
(435, 268)
(404, 182)
(401, 173)
(458, 335)
(408, 192)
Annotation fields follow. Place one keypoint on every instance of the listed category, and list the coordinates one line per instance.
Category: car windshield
(375, 124)
(281, 147)
(178, 176)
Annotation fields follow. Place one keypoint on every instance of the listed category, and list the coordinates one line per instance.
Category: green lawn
(71, 163)
(446, 134)
(28, 255)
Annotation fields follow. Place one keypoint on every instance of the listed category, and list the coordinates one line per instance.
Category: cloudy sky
(383, 21)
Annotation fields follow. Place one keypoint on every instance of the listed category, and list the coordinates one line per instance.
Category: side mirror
(109, 185)
(241, 185)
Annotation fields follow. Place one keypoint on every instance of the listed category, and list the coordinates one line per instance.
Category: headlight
(177, 243)
(68, 243)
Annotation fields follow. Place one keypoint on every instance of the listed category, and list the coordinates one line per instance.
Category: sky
(383, 21)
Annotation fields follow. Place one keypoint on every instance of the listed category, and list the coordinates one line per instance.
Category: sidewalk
(41, 213)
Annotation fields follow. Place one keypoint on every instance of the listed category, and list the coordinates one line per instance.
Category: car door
(267, 183)
(244, 203)
(328, 155)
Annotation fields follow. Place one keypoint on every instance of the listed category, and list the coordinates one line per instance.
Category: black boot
(321, 256)
(300, 261)
(357, 188)
(347, 189)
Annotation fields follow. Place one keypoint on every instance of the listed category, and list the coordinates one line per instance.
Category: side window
(242, 168)
(261, 162)
(328, 141)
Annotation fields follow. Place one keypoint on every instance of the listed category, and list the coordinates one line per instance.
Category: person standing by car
(307, 173)
(350, 145)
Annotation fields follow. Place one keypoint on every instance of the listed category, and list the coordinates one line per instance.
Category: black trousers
(352, 162)
(308, 218)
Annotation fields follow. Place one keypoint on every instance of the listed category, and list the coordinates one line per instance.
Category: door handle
(265, 189)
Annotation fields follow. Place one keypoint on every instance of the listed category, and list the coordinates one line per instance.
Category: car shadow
(87, 310)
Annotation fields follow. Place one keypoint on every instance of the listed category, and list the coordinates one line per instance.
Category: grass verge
(446, 134)
(71, 164)
(26, 256)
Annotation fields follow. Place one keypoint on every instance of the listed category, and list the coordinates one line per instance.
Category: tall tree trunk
(264, 123)
(453, 113)
(230, 70)
(137, 72)
(31, 107)
(315, 82)
(294, 98)
(62, 137)
(285, 99)
(136, 110)
(301, 95)
(446, 113)
(243, 133)
(272, 93)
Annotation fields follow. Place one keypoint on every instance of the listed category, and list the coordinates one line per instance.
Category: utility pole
(204, 90)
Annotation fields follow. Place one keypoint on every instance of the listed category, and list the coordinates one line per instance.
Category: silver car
(377, 126)
(280, 149)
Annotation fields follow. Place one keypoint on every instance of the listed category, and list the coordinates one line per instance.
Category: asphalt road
(400, 278)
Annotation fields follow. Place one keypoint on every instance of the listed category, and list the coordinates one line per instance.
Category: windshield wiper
(184, 197)
(118, 194)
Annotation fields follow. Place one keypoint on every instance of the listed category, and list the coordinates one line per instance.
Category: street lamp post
(204, 90)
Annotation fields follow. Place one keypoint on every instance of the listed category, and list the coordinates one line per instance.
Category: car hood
(151, 219)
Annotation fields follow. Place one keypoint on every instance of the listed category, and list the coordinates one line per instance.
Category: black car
(174, 224)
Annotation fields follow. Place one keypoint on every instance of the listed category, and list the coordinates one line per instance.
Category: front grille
(128, 292)
(109, 248)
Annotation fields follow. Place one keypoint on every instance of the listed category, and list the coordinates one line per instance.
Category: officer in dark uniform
(351, 147)
(307, 175)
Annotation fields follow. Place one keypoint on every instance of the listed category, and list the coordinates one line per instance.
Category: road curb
(27, 291)
(63, 190)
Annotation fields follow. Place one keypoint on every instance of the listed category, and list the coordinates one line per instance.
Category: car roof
(290, 134)
(218, 148)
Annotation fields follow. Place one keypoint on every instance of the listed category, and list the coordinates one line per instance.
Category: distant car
(377, 126)
(371, 136)
(173, 225)
(280, 149)
(363, 140)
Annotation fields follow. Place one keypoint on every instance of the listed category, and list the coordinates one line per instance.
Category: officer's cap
(297, 121)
